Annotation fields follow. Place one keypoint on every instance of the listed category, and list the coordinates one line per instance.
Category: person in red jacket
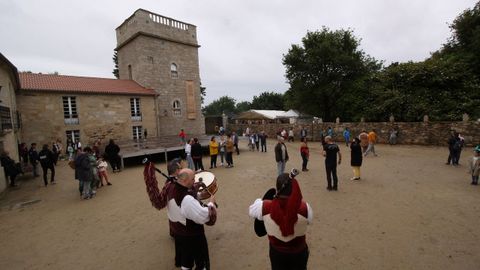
(286, 218)
(305, 153)
(182, 136)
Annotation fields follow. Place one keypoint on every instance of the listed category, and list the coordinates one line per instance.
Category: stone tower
(162, 54)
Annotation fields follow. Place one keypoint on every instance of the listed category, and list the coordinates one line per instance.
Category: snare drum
(210, 182)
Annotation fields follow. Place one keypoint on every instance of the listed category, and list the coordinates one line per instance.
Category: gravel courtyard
(409, 211)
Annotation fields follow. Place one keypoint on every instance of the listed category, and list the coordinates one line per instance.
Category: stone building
(161, 53)
(84, 109)
(9, 122)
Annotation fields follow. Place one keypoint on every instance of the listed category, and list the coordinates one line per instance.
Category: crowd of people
(91, 167)
(90, 163)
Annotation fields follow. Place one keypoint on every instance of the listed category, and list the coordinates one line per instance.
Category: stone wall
(149, 57)
(100, 117)
(8, 138)
(421, 133)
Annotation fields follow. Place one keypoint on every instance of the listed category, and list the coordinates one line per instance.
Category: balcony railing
(136, 118)
(71, 120)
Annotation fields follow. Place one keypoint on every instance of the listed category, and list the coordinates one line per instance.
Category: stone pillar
(224, 121)
(392, 119)
(465, 117)
(337, 121)
(425, 118)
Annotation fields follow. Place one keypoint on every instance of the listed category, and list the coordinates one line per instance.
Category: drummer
(286, 218)
(187, 217)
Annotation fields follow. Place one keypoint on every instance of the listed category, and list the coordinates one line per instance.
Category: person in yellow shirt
(372, 140)
(213, 152)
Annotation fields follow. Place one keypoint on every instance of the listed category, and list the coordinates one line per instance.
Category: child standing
(102, 166)
(475, 166)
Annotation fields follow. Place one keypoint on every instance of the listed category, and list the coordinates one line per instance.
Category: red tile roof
(84, 85)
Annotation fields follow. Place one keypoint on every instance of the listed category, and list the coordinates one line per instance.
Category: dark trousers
(197, 162)
(288, 261)
(229, 158)
(236, 148)
(454, 156)
(55, 158)
(257, 145)
(213, 161)
(475, 180)
(331, 173)
(194, 251)
(35, 172)
(45, 171)
(12, 179)
(304, 162)
(264, 146)
(115, 163)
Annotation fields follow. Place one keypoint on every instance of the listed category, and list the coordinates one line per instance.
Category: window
(130, 72)
(177, 110)
(135, 113)
(70, 114)
(137, 132)
(173, 70)
(73, 136)
(5, 118)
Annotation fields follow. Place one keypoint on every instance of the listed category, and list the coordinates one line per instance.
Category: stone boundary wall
(419, 133)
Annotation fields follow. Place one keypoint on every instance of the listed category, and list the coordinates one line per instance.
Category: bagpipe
(259, 225)
(204, 187)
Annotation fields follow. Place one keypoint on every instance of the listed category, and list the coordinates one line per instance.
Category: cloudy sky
(242, 41)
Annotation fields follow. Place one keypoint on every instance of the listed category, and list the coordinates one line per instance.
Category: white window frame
(70, 110)
(137, 133)
(135, 111)
(174, 70)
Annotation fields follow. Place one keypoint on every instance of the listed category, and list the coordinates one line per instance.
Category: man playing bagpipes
(285, 220)
(168, 196)
(187, 216)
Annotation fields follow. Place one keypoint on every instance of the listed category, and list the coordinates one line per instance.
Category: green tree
(464, 44)
(268, 101)
(326, 73)
(411, 90)
(203, 93)
(115, 62)
(243, 106)
(221, 105)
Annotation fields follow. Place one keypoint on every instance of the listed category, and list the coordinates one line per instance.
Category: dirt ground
(409, 211)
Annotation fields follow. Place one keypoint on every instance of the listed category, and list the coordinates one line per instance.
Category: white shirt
(256, 211)
(188, 149)
(190, 208)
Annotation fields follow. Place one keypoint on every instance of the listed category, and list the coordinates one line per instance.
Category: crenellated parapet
(147, 23)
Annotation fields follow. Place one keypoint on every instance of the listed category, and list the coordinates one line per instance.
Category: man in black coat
(281, 155)
(197, 155)
(112, 151)
(8, 165)
(47, 159)
(263, 141)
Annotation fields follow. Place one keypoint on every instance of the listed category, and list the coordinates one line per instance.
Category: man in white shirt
(188, 154)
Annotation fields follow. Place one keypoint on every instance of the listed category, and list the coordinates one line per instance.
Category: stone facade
(148, 45)
(420, 133)
(99, 117)
(8, 126)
